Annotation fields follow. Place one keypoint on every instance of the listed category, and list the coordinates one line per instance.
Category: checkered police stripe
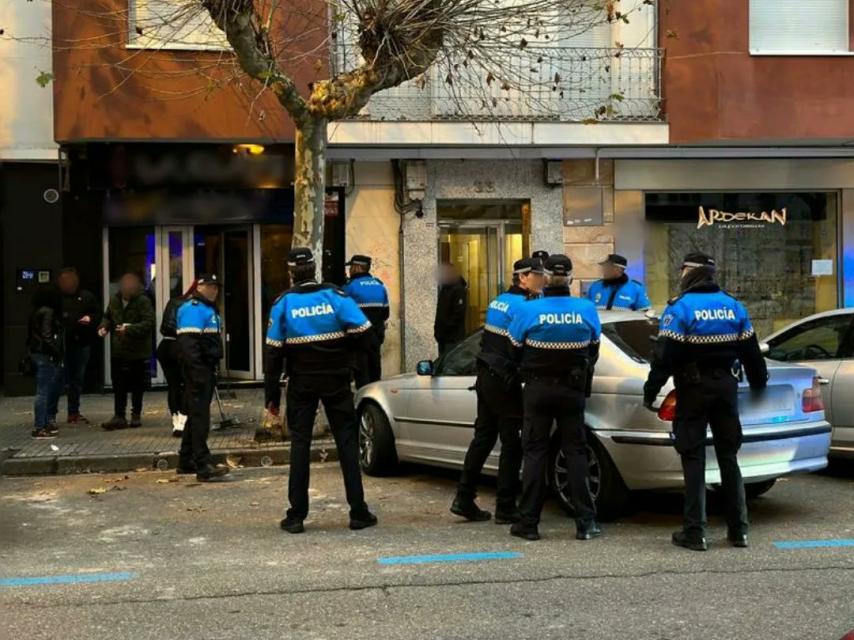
(360, 329)
(746, 335)
(274, 343)
(539, 344)
(372, 305)
(712, 339)
(673, 335)
(321, 337)
(493, 329)
(190, 330)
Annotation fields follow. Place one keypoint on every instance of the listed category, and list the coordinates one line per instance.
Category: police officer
(705, 333)
(557, 342)
(616, 290)
(199, 347)
(372, 297)
(314, 332)
(499, 402)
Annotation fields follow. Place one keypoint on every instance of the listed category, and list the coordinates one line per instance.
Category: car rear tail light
(667, 410)
(811, 401)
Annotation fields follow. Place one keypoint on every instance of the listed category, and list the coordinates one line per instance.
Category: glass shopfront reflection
(777, 252)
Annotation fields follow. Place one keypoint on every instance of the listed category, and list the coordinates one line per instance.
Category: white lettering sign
(561, 318)
(714, 314)
(713, 216)
(316, 310)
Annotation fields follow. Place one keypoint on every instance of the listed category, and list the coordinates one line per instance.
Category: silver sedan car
(825, 342)
(428, 417)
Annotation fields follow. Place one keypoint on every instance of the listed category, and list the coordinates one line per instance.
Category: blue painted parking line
(74, 578)
(451, 557)
(815, 544)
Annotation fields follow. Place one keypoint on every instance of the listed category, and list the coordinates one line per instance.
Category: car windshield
(635, 338)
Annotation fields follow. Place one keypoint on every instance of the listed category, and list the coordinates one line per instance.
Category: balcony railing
(553, 84)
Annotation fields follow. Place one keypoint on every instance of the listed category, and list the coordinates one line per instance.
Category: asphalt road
(184, 560)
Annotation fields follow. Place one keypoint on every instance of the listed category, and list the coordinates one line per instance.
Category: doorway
(483, 239)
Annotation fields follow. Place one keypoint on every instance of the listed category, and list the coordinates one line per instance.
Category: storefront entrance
(482, 239)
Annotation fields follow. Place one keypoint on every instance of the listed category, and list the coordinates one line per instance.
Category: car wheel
(606, 485)
(377, 453)
(756, 489)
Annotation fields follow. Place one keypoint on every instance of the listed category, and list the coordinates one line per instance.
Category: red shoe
(77, 418)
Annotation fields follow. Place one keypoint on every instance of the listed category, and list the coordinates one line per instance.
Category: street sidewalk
(88, 448)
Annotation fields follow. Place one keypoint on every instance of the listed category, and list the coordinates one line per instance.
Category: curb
(321, 451)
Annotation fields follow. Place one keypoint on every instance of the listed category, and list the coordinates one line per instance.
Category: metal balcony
(539, 84)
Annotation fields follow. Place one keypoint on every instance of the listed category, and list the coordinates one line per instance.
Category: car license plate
(774, 401)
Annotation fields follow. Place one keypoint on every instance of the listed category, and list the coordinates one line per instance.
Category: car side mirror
(424, 368)
(764, 348)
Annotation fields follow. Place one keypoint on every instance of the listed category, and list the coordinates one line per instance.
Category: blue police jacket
(621, 293)
(496, 350)
(198, 329)
(706, 328)
(314, 329)
(370, 294)
(554, 332)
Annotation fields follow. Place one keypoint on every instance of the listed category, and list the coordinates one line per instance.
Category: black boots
(737, 538)
(525, 531)
(587, 530)
(466, 508)
(362, 520)
(692, 541)
(211, 473)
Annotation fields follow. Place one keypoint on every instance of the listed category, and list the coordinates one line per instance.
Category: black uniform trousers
(714, 402)
(546, 401)
(167, 356)
(499, 414)
(304, 393)
(199, 381)
(369, 362)
(129, 376)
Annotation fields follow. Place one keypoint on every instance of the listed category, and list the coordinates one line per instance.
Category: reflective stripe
(493, 329)
(360, 329)
(274, 343)
(366, 305)
(539, 344)
(321, 337)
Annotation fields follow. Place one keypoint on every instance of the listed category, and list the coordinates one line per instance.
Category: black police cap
(527, 265)
(207, 278)
(358, 259)
(300, 256)
(616, 259)
(540, 255)
(699, 259)
(558, 265)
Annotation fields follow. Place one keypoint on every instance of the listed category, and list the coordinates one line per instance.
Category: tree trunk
(310, 187)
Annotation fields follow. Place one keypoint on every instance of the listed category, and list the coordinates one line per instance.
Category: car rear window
(634, 337)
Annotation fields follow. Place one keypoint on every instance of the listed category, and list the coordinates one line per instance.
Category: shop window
(798, 27)
(776, 252)
(167, 24)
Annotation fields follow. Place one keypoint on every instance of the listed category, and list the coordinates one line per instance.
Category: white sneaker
(177, 424)
(182, 419)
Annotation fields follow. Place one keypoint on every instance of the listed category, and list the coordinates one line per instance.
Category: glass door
(483, 253)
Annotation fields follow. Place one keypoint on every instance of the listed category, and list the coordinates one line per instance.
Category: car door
(821, 343)
(442, 407)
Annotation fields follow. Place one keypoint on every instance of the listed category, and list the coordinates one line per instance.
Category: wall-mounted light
(249, 149)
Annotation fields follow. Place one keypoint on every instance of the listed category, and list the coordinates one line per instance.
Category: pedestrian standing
(705, 337)
(129, 319)
(616, 290)
(499, 402)
(167, 356)
(449, 327)
(314, 333)
(81, 315)
(557, 341)
(199, 345)
(372, 297)
(45, 336)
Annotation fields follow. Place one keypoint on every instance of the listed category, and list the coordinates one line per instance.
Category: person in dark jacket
(705, 338)
(81, 314)
(449, 328)
(167, 356)
(199, 331)
(129, 319)
(45, 345)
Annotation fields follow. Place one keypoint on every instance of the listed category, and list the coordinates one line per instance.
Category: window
(462, 360)
(798, 27)
(634, 337)
(820, 339)
(172, 24)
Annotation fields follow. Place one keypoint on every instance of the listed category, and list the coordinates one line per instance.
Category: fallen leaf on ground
(95, 491)
(163, 481)
(232, 461)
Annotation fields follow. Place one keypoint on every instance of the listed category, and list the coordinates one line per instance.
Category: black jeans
(369, 362)
(198, 393)
(499, 414)
(76, 360)
(167, 355)
(303, 395)
(545, 402)
(129, 376)
(713, 402)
